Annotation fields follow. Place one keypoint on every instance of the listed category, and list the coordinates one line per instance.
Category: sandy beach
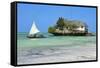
(62, 53)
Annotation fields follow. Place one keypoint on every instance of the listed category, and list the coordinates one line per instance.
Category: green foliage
(60, 23)
(68, 24)
(72, 26)
(51, 29)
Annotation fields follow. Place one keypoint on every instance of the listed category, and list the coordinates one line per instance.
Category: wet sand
(61, 53)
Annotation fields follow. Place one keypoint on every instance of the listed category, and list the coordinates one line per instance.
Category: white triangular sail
(33, 29)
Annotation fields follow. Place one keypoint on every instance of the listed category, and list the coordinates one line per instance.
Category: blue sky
(47, 15)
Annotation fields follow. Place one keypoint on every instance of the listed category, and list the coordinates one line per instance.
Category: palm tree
(60, 23)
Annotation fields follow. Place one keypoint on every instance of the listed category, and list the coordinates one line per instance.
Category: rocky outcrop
(69, 28)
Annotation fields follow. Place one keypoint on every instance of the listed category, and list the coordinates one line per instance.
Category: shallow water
(23, 41)
(75, 48)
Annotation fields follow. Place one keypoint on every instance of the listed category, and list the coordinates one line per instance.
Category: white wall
(5, 34)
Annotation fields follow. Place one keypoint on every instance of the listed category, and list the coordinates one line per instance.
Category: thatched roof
(74, 22)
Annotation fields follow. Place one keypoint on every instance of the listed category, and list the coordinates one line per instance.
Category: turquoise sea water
(23, 41)
(55, 49)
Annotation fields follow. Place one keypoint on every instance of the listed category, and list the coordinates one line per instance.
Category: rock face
(70, 34)
(68, 27)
